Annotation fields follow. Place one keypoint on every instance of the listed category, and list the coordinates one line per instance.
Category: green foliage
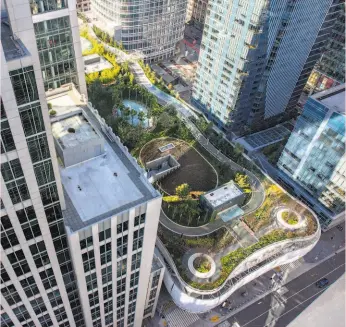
(171, 198)
(183, 190)
(242, 181)
(105, 37)
(52, 113)
(50, 106)
(202, 264)
(290, 217)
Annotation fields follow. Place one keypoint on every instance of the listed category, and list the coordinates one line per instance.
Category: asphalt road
(277, 310)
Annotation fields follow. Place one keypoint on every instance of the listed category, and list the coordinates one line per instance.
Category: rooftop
(333, 98)
(83, 131)
(102, 186)
(95, 63)
(13, 48)
(223, 194)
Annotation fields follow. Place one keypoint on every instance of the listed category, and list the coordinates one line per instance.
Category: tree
(243, 181)
(183, 190)
(133, 114)
(127, 112)
(141, 117)
(238, 149)
(165, 120)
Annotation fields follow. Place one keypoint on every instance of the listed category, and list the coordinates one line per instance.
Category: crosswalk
(291, 266)
(181, 318)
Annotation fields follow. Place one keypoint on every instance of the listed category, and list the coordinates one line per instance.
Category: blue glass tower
(314, 156)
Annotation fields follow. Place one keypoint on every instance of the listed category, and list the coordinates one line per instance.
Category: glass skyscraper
(151, 28)
(256, 57)
(314, 156)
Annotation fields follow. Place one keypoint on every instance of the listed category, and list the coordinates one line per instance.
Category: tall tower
(38, 284)
(256, 57)
(58, 219)
(152, 28)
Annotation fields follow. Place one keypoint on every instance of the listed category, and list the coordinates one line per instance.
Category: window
(32, 120)
(122, 245)
(106, 274)
(44, 172)
(136, 260)
(8, 236)
(18, 190)
(57, 229)
(29, 223)
(21, 313)
(121, 267)
(49, 194)
(86, 242)
(38, 147)
(11, 170)
(53, 213)
(88, 260)
(7, 142)
(106, 253)
(121, 285)
(91, 281)
(29, 286)
(10, 294)
(48, 279)
(138, 239)
(107, 292)
(134, 279)
(93, 298)
(104, 234)
(55, 298)
(122, 227)
(140, 219)
(38, 305)
(4, 275)
(19, 263)
(6, 321)
(24, 85)
(39, 254)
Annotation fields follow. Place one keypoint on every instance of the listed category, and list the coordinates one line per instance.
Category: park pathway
(184, 113)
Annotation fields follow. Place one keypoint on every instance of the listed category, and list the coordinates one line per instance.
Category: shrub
(171, 198)
(52, 113)
(183, 190)
(290, 217)
(50, 106)
(71, 130)
(202, 264)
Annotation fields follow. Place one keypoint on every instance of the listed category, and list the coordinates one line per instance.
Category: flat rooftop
(95, 66)
(333, 98)
(223, 194)
(83, 131)
(101, 187)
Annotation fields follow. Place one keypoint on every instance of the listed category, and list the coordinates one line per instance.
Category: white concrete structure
(40, 57)
(95, 63)
(109, 208)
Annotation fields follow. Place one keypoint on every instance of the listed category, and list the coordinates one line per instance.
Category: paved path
(184, 112)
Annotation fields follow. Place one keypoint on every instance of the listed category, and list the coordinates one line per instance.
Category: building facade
(314, 156)
(41, 63)
(83, 5)
(196, 12)
(151, 29)
(229, 80)
(249, 77)
(330, 69)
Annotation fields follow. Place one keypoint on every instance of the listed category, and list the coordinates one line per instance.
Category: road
(277, 310)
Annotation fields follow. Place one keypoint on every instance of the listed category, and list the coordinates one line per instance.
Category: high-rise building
(330, 69)
(150, 28)
(83, 5)
(256, 57)
(314, 156)
(61, 247)
(196, 12)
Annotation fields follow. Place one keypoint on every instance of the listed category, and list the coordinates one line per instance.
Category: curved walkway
(184, 112)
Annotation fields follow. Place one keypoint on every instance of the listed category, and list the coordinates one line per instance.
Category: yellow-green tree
(243, 181)
(183, 190)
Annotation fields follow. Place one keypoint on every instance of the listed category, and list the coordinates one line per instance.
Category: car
(322, 283)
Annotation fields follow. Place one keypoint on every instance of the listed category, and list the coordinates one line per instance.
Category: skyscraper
(196, 12)
(151, 28)
(56, 223)
(256, 57)
(330, 69)
(314, 156)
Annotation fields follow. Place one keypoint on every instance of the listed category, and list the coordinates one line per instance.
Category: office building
(196, 12)
(151, 29)
(83, 6)
(330, 69)
(314, 156)
(255, 59)
(43, 212)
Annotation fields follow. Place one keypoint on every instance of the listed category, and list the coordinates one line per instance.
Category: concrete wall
(173, 163)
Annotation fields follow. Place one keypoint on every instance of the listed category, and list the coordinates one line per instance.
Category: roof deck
(223, 194)
(100, 187)
(83, 131)
(333, 98)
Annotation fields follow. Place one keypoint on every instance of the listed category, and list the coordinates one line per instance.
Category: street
(277, 310)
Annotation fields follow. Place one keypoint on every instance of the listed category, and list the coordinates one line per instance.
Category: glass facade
(314, 155)
(56, 52)
(38, 7)
(151, 28)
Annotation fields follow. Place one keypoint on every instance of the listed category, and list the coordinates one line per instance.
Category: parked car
(322, 283)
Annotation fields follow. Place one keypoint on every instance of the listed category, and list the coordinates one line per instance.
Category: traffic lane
(266, 312)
